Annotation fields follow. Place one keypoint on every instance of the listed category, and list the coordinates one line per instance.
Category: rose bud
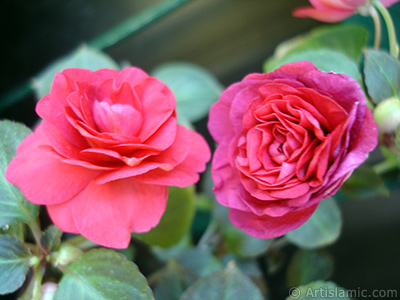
(387, 115)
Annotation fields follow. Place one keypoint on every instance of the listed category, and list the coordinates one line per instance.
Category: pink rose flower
(286, 140)
(105, 153)
(332, 11)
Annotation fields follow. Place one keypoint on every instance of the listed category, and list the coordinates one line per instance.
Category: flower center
(117, 118)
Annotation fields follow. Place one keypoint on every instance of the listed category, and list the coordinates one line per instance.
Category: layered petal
(34, 166)
(365, 142)
(227, 184)
(267, 227)
(337, 4)
(165, 160)
(221, 111)
(326, 15)
(63, 216)
(107, 213)
(185, 171)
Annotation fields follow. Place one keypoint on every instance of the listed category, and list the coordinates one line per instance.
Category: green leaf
(194, 87)
(83, 57)
(102, 274)
(323, 228)
(176, 221)
(14, 207)
(227, 284)
(51, 239)
(237, 241)
(363, 183)
(306, 266)
(14, 264)
(319, 290)
(199, 260)
(249, 266)
(204, 203)
(243, 245)
(324, 59)
(252, 268)
(17, 230)
(170, 282)
(346, 39)
(382, 75)
(389, 163)
(129, 252)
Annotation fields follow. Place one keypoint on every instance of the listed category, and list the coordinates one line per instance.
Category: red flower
(286, 140)
(332, 11)
(107, 149)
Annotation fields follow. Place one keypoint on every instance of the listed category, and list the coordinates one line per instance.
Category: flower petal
(185, 172)
(158, 106)
(337, 4)
(227, 185)
(108, 213)
(62, 216)
(41, 176)
(328, 16)
(218, 124)
(266, 227)
(389, 3)
(358, 152)
(52, 106)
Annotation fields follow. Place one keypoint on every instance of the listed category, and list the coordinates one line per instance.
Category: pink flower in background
(105, 153)
(286, 140)
(332, 11)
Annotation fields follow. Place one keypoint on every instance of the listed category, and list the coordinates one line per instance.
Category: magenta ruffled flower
(286, 140)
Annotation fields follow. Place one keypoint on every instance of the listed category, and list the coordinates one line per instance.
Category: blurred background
(230, 38)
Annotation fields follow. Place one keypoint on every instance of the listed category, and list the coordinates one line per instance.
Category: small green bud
(66, 254)
(34, 261)
(387, 115)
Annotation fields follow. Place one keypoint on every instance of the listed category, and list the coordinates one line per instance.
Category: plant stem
(38, 282)
(377, 26)
(208, 234)
(16, 94)
(135, 24)
(32, 292)
(393, 45)
(37, 234)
